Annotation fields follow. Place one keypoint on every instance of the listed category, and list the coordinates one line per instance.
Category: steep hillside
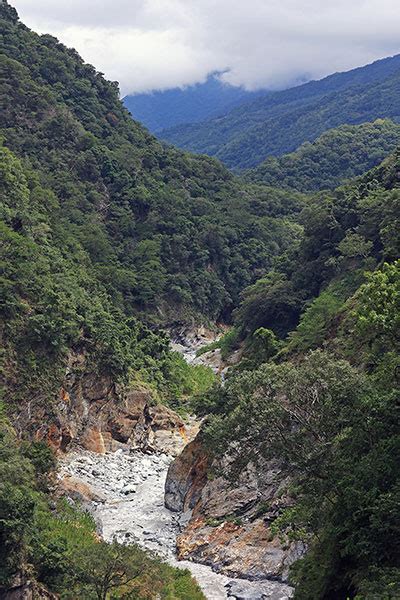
(282, 121)
(335, 156)
(347, 231)
(304, 438)
(160, 110)
(106, 236)
(121, 229)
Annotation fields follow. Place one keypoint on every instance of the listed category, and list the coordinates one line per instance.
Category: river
(128, 504)
(127, 491)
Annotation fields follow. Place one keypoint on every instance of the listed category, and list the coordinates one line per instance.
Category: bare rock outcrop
(227, 522)
(23, 588)
(94, 412)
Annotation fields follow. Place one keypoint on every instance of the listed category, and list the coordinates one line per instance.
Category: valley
(127, 501)
(200, 368)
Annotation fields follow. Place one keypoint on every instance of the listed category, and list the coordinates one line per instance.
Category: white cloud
(156, 44)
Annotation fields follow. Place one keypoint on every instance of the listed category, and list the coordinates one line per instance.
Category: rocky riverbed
(125, 492)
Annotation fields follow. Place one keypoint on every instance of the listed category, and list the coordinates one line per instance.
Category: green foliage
(280, 122)
(260, 347)
(187, 380)
(334, 426)
(345, 233)
(377, 310)
(315, 321)
(227, 343)
(271, 303)
(337, 155)
(166, 231)
(106, 233)
(338, 433)
(17, 503)
(371, 317)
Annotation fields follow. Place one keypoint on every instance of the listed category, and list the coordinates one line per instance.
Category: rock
(78, 490)
(265, 590)
(184, 518)
(25, 589)
(230, 523)
(141, 517)
(93, 440)
(186, 477)
(129, 489)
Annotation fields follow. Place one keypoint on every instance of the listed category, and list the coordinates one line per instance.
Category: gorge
(195, 364)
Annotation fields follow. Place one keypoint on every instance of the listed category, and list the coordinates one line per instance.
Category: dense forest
(162, 109)
(125, 232)
(318, 387)
(280, 122)
(337, 155)
(109, 237)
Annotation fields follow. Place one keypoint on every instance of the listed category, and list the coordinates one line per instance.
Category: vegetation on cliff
(324, 398)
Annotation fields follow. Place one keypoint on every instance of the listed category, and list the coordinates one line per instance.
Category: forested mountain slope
(335, 156)
(280, 122)
(317, 389)
(108, 236)
(117, 224)
(160, 110)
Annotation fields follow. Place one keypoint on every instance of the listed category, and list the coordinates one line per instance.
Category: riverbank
(125, 493)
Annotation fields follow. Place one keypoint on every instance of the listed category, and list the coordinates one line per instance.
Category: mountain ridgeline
(162, 109)
(280, 122)
(110, 237)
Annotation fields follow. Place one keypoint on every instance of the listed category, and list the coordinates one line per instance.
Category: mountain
(280, 122)
(160, 110)
(337, 155)
(108, 237)
(111, 243)
(303, 438)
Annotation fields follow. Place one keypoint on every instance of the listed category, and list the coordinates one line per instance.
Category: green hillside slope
(317, 388)
(281, 122)
(119, 226)
(337, 155)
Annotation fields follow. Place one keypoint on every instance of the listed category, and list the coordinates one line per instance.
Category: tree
(108, 568)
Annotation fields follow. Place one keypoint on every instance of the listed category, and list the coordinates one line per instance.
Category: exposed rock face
(95, 413)
(188, 341)
(186, 479)
(228, 523)
(25, 589)
(125, 492)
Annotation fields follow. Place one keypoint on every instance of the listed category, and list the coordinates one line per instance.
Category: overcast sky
(158, 44)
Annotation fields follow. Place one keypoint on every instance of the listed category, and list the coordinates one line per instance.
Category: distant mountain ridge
(160, 110)
(281, 121)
